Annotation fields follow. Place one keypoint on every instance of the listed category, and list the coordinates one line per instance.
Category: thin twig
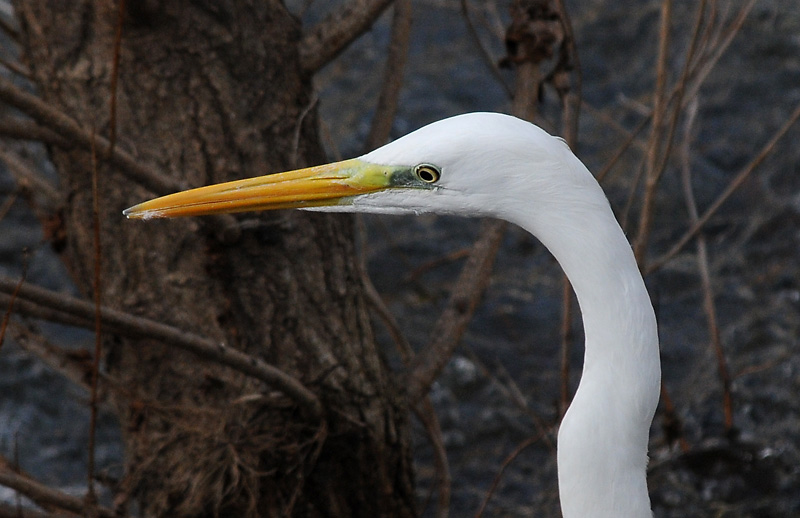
(396, 59)
(709, 59)
(671, 421)
(572, 100)
(23, 129)
(123, 323)
(427, 416)
(570, 91)
(697, 66)
(50, 313)
(527, 81)
(511, 390)
(695, 71)
(657, 158)
(705, 275)
(71, 364)
(91, 495)
(323, 42)
(770, 364)
(225, 226)
(386, 316)
(427, 266)
(654, 168)
(112, 115)
(491, 62)
(622, 149)
(46, 496)
(298, 128)
(667, 138)
(16, 511)
(447, 332)
(16, 67)
(424, 408)
(48, 116)
(375, 299)
(506, 463)
(11, 31)
(737, 182)
(29, 180)
(9, 202)
(10, 308)
(633, 188)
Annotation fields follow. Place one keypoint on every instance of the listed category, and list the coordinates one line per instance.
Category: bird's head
(478, 164)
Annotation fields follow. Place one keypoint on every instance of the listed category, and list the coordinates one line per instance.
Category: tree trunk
(207, 92)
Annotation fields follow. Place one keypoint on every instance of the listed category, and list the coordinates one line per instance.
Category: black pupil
(426, 175)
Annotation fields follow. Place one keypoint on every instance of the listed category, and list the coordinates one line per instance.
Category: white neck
(602, 442)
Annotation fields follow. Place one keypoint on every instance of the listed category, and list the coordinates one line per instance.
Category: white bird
(493, 165)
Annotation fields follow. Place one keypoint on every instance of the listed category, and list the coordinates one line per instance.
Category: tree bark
(207, 92)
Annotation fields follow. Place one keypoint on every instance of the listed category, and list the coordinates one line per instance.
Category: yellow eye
(427, 173)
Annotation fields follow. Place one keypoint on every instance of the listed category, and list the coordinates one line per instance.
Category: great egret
(488, 164)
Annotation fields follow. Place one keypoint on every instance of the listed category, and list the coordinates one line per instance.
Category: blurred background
(503, 385)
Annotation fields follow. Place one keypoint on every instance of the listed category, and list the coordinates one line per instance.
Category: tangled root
(231, 461)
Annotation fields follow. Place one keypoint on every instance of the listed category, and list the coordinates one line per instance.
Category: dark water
(513, 341)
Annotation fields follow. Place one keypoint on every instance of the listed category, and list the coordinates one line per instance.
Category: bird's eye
(427, 173)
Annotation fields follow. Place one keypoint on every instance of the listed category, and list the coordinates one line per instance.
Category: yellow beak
(330, 184)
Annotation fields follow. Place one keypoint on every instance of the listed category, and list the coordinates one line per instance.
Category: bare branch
(22, 129)
(694, 73)
(737, 182)
(331, 36)
(37, 310)
(46, 496)
(569, 61)
(375, 299)
(12, 511)
(471, 283)
(500, 378)
(569, 83)
(67, 127)
(72, 366)
(9, 309)
(436, 262)
(225, 226)
(392, 77)
(655, 166)
(716, 48)
(8, 203)
(671, 422)
(530, 441)
(386, 316)
(490, 62)
(16, 68)
(124, 323)
(424, 408)
(91, 495)
(427, 416)
(11, 31)
(527, 81)
(705, 274)
(622, 149)
(29, 180)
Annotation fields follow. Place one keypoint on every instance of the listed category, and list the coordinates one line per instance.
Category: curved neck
(602, 442)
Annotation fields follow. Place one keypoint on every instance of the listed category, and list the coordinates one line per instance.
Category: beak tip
(137, 213)
(131, 213)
